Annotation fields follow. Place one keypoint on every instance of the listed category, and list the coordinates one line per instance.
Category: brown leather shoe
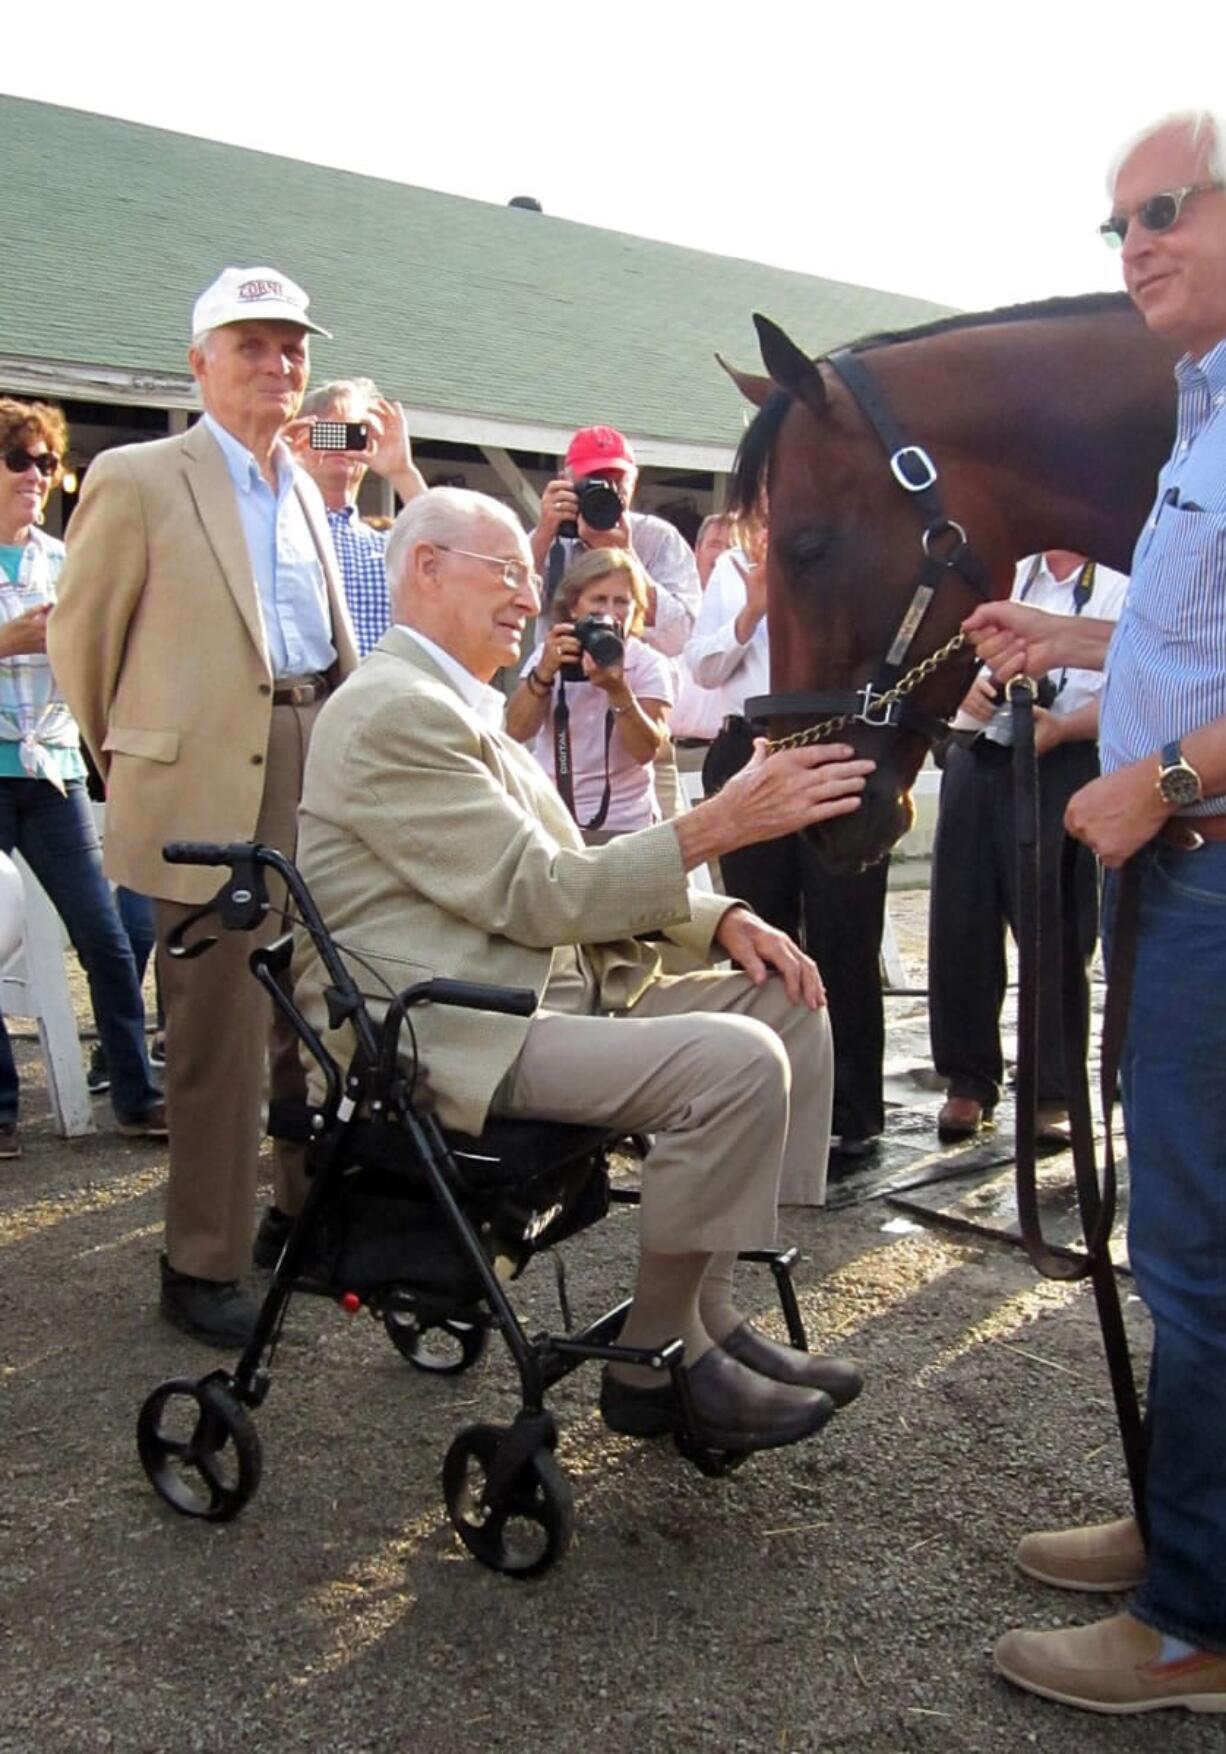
(731, 1409)
(1106, 1556)
(961, 1117)
(836, 1377)
(151, 1125)
(10, 1142)
(1111, 1666)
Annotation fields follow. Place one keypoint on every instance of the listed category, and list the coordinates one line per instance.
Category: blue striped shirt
(1166, 669)
(359, 549)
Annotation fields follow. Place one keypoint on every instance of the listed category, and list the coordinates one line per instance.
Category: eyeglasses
(1159, 213)
(18, 461)
(515, 573)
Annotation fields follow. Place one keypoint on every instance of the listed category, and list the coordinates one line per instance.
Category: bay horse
(943, 454)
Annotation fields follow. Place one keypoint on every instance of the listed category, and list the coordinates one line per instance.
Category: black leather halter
(945, 551)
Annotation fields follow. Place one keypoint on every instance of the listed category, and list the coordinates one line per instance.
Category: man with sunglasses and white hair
(200, 625)
(1161, 801)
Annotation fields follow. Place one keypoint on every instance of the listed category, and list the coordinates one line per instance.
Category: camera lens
(605, 646)
(600, 504)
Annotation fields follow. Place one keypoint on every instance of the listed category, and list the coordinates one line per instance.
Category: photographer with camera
(346, 428)
(973, 893)
(594, 698)
(588, 506)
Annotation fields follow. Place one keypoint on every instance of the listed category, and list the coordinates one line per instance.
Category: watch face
(1180, 786)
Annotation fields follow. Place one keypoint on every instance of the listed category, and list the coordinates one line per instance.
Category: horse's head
(846, 555)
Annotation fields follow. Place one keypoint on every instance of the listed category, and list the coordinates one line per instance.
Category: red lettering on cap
(257, 289)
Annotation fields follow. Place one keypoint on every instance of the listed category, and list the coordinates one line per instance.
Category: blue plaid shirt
(359, 549)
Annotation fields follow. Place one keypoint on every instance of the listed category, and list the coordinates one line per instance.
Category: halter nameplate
(908, 627)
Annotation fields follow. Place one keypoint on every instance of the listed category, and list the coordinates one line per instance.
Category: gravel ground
(843, 1594)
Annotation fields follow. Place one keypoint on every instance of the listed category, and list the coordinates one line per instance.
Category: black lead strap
(1096, 1203)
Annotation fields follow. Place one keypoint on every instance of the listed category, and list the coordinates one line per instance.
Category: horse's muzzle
(848, 844)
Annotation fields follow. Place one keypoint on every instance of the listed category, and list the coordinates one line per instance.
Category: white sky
(934, 147)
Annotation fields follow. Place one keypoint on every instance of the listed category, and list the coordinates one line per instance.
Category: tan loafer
(1106, 1556)
(1112, 1667)
(1052, 1125)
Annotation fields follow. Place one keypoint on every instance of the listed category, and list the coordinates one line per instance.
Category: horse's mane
(753, 453)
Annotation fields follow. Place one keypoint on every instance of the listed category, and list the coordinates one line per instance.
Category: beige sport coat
(157, 642)
(436, 846)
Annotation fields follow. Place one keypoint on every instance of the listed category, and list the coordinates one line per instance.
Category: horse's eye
(809, 548)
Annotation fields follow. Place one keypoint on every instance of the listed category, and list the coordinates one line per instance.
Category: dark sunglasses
(1159, 213)
(18, 461)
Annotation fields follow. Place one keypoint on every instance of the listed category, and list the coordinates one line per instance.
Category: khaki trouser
(734, 1081)
(218, 1020)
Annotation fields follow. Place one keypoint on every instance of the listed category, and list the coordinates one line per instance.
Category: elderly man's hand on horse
(792, 789)
(1117, 814)
(759, 948)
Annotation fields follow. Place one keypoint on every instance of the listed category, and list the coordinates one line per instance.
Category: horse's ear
(754, 389)
(791, 369)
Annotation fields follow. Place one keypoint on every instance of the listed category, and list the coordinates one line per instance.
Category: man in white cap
(200, 624)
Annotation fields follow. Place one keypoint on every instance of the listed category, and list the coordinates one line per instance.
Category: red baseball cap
(596, 449)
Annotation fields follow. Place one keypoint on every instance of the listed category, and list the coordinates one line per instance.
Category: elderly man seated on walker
(435, 845)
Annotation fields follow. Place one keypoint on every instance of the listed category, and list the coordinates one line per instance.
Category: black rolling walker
(423, 1228)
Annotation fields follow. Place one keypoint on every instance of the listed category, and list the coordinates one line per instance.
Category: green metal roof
(111, 229)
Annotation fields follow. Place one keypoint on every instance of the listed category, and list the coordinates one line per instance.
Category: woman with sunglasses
(44, 808)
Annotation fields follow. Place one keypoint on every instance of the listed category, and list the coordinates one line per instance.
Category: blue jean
(1174, 1082)
(56, 837)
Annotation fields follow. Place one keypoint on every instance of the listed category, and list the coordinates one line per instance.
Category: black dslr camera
(600, 506)
(601, 638)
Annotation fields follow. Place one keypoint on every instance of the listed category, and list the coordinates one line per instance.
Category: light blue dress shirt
(289, 576)
(1166, 669)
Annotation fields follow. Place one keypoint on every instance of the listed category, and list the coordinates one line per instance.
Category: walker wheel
(199, 1448)
(714, 1463)
(530, 1528)
(446, 1348)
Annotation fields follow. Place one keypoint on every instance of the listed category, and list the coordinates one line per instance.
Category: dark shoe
(836, 1377)
(157, 1049)
(961, 1117)
(270, 1237)
(10, 1142)
(849, 1155)
(98, 1077)
(150, 1125)
(221, 1313)
(730, 1412)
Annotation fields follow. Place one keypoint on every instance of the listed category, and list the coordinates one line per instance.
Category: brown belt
(302, 692)
(1190, 832)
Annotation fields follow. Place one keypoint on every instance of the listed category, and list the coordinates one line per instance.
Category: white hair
(1203, 128)
(447, 515)
(362, 391)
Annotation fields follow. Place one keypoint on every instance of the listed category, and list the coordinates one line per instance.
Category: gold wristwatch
(1178, 781)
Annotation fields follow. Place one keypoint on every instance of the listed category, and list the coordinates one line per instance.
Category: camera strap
(564, 775)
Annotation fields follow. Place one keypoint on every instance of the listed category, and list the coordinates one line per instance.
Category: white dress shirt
(729, 670)
(1035, 584)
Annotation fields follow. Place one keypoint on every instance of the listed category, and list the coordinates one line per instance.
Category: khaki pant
(734, 1081)
(218, 1021)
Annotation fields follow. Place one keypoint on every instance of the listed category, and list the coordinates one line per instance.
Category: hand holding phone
(340, 435)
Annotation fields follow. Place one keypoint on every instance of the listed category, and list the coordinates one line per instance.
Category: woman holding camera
(596, 695)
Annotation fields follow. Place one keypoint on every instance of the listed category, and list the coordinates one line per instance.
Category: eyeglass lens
(1159, 213)
(18, 461)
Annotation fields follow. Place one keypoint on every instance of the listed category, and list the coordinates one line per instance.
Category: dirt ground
(843, 1594)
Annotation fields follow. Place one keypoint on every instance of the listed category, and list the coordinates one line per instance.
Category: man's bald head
(459, 571)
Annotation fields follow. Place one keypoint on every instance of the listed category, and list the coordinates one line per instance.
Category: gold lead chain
(900, 690)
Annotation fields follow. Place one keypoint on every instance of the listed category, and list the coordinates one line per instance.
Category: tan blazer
(436, 846)
(158, 644)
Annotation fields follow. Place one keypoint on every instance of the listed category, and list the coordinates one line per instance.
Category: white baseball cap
(239, 295)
